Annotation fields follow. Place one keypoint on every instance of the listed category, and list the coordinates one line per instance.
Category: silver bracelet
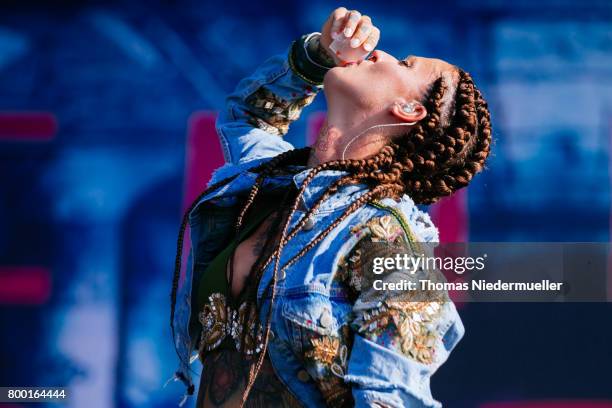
(306, 41)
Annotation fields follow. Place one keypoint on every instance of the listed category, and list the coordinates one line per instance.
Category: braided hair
(436, 157)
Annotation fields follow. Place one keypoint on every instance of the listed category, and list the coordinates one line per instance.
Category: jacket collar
(319, 184)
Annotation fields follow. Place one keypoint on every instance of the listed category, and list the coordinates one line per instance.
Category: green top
(214, 278)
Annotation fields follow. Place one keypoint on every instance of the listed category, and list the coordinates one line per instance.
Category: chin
(333, 78)
(340, 81)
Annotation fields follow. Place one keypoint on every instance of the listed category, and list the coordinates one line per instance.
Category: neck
(339, 130)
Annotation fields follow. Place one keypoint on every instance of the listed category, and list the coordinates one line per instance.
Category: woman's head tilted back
(451, 138)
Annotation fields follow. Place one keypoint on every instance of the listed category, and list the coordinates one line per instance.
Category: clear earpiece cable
(373, 127)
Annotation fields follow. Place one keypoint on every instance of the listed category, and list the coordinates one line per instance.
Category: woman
(276, 302)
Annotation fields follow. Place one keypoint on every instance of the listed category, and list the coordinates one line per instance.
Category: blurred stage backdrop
(106, 113)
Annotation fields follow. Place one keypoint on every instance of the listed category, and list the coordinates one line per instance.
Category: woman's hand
(353, 25)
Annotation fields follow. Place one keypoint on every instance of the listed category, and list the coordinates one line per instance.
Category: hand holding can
(349, 36)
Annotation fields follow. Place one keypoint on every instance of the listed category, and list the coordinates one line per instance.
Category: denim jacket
(329, 345)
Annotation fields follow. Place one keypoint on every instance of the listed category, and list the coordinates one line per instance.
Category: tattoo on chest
(224, 378)
(260, 242)
(264, 238)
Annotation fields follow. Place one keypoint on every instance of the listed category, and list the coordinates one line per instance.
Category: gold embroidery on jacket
(219, 321)
(324, 349)
(409, 325)
(385, 229)
(327, 359)
(379, 229)
(272, 113)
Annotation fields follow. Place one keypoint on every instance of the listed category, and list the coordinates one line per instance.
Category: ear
(418, 113)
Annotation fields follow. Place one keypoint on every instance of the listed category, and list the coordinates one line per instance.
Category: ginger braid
(384, 156)
(436, 159)
(346, 180)
(267, 169)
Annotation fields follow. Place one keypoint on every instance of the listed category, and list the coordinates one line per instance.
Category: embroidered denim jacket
(329, 345)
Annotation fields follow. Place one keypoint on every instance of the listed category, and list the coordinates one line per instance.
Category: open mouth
(371, 58)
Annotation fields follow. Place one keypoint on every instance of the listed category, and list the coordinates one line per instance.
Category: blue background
(99, 205)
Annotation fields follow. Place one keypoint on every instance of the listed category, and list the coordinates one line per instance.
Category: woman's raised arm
(260, 110)
(258, 113)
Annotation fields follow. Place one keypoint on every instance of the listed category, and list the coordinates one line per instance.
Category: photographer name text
(475, 285)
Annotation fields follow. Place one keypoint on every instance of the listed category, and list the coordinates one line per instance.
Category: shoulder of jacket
(383, 224)
(406, 212)
(383, 221)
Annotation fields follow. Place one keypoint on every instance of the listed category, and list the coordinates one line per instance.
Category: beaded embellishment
(384, 229)
(326, 358)
(246, 330)
(324, 349)
(412, 325)
(273, 114)
(378, 229)
(219, 321)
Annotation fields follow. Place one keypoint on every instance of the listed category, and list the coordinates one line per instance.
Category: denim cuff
(381, 375)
